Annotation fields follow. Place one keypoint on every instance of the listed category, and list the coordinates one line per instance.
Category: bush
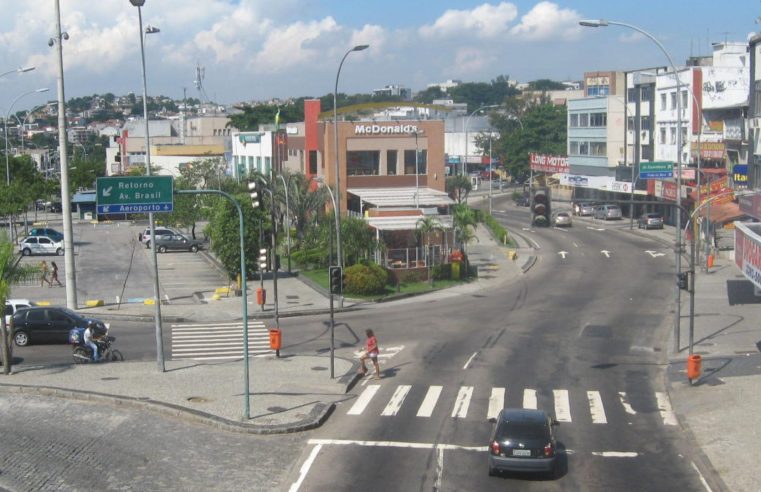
(365, 279)
(442, 272)
(499, 232)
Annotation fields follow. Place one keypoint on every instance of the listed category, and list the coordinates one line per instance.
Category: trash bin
(694, 367)
(276, 338)
(261, 296)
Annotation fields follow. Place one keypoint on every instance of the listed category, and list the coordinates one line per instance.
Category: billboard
(548, 163)
(748, 251)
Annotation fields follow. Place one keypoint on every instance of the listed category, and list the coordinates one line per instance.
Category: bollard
(709, 261)
(276, 338)
(694, 367)
(261, 296)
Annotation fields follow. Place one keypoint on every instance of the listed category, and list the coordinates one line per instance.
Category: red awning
(713, 170)
(723, 213)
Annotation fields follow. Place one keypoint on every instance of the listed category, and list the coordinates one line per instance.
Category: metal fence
(408, 258)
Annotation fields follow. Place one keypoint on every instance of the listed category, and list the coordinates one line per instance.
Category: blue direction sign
(656, 170)
(135, 194)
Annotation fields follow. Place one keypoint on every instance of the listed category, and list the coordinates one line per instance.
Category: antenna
(725, 33)
(200, 74)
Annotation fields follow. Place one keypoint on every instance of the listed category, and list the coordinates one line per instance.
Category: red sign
(748, 252)
(548, 163)
(668, 191)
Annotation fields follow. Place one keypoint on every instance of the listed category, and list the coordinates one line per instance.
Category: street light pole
(330, 261)
(151, 223)
(287, 220)
(678, 233)
(337, 169)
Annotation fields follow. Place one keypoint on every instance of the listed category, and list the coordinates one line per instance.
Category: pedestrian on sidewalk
(44, 274)
(371, 352)
(54, 275)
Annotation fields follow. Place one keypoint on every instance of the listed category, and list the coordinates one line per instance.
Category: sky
(261, 49)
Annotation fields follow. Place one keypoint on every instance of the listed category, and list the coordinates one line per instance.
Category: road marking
(605, 252)
(563, 254)
(595, 228)
(429, 402)
(596, 408)
(664, 407)
(363, 400)
(396, 400)
(616, 454)
(625, 403)
(305, 468)
(439, 468)
(462, 402)
(700, 475)
(575, 245)
(654, 254)
(399, 444)
(389, 352)
(496, 402)
(529, 398)
(560, 229)
(562, 405)
(470, 359)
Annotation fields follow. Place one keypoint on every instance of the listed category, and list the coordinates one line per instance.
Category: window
(44, 240)
(662, 139)
(631, 95)
(630, 123)
(672, 136)
(362, 163)
(646, 93)
(598, 120)
(409, 161)
(684, 135)
(644, 123)
(663, 101)
(598, 148)
(757, 98)
(684, 99)
(312, 162)
(598, 90)
(673, 100)
(391, 162)
(584, 120)
(574, 120)
(583, 148)
(36, 316)
(573, 147)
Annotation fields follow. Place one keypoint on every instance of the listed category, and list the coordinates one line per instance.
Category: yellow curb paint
(216, 297)
(149, 302)
(94, 302)
(42, 303)
(222, 290)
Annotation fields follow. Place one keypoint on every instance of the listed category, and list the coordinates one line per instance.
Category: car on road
(523, 440)
(40, 245)
(160, 231)
(608, 212)
(46, 231)
(177, 242)
(562, 219)
(14, 305)
(47, 325)
(650, 220)
(584, 209)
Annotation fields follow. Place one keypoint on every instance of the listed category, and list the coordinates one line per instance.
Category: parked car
(47, 324)
(177, 242)
(47, 231)
(650, 220)
(523, 201)
(160, 231)
(40, 245)
(584, 209)
(523, 440)
(56, 207)
(14, 305)
(608, 212)
(562, 219)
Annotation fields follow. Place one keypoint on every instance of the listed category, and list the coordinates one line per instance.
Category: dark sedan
(46, 325)
(523, 440)
(177, 242)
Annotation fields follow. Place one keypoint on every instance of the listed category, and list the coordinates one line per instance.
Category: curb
(531, 259)
(317, 416)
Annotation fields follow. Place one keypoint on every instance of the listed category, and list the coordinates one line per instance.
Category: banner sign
(751, 205)
(548, 163)
(708, 150)
(740, 176)
(748, 251)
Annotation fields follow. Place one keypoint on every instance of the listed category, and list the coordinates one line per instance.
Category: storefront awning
(402, 197)
(724, 212)
(406, 222)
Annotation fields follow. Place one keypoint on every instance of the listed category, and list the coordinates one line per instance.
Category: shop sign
(247, 138)
(687, 173)
(748, 251)
(548, 163)
(595, 81)
(622, 186)
(716, 186)
(709, 150)
(740, 176)
(665, 190)
(384, 129)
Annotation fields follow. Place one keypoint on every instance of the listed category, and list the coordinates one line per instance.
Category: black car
(177, 242)
(46, 325)
(523, 440)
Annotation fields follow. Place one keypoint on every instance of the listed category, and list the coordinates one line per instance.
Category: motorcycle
(83, 353)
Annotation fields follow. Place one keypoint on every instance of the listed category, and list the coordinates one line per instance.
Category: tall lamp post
(339, 261)
(151, 224)
(678, 233)
(319, 179)
(287, 220)
(467, 122)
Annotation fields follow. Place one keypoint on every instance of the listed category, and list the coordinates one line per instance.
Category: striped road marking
(210, 341)
(363, 400)
(429, 402)
(529, 398)
(396, 401)
(596, 408)
(496, 402)
(462, 402)
(562, 406)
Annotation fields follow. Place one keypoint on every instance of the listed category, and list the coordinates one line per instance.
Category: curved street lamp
(339, 262)
(17, 70)
(678, 234)
(467, 122)
(5, 130)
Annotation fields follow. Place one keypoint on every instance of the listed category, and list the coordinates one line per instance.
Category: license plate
(521, 452)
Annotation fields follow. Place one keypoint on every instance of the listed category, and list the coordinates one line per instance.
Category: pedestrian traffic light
(254, 195)
(683, 280)
(262, 260)
(336, 279)
(540, 206)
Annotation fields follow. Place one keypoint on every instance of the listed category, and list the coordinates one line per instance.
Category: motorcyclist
(90, 337)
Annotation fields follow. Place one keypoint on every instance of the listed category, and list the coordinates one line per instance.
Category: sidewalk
(288, 394)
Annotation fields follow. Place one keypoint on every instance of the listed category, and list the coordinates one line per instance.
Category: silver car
(562, 219)
(40, 245)
(585, 209)
(608, 212)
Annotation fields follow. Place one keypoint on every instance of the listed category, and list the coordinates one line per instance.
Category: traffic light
(540, 206)
(683, 280)
(263, 260)
(336, 279)
(253, 194)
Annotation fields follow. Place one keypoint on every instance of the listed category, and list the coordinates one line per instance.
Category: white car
(13, 305)
(40, 245)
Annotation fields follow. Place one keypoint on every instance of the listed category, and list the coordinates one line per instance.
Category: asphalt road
(583, 335)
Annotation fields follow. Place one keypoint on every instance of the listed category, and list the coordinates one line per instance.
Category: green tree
(426, 226)
(430, 94)
(357, 240)
(458, 187)
(264, 114)
(11, 273)
(545, 85)
(225, 236)
(464, 222)
(307, 200)
(476, 94)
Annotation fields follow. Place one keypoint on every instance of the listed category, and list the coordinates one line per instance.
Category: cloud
(631, 37)
(484, 21)
(547, 21)
(471, 60)
(292, 45)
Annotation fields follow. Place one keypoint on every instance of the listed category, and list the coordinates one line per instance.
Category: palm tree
(464, 221)
(425, 226)
(306, 201)
(11, 272)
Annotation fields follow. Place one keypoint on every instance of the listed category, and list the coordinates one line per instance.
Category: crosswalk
(589, 406)
(218, 341)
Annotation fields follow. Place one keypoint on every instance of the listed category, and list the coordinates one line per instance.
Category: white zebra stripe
(596, 407)
(363, 400)
(462, 402)
(429, 402)
(562, 405)
(529, 398)
(396, 401)
(496, 402)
